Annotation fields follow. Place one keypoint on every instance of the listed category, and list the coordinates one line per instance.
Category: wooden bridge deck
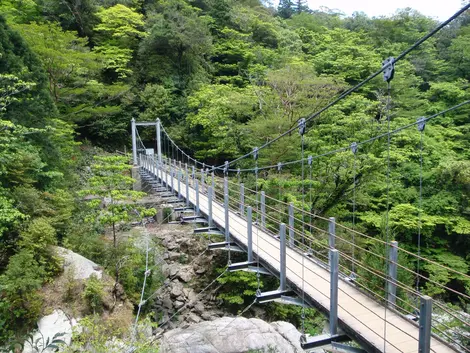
(359, 315)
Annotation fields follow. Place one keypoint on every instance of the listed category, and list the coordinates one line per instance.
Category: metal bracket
(354, 147)
(421, 123)
(225, 246)
(323, 340)
(208, 230)
(389, 68)
(255, 153)
(248, 266)
(302, 125)
(226, 168)
(193, 219)
(288, 300)
(346, 349)
(265, 297)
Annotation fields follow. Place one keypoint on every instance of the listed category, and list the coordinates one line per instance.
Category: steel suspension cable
(361, 84)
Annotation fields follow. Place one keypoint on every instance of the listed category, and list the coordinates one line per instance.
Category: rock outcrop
(57, 324)
(82, 267)
(233, 335)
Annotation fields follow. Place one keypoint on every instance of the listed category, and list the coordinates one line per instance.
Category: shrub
(93, 293)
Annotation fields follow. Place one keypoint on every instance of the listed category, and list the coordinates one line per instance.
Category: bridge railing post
(202, 180)
(187, 185)
(249, 230)
(282, 259)
(134, 141)
(332, 232)
(242, 199)
(331, 235)
(263, 210)
(334, 263)
(227, 216)
(213, 183)
(392, 273)
(291, 225)
(171, 178)
(196, 186)
(209, 205)
(159, 141)
(425, 316)
(225, 185)
(178, 176)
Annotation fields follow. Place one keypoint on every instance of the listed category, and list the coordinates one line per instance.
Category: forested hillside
(225, 76)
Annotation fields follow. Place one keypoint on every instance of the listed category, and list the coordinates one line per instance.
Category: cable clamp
(421, 123)
(354, 147)
(389, 68)
(279, 166)
(226, 168)
(255, 153)
(302, 125)
(238, 172)
(310, 160)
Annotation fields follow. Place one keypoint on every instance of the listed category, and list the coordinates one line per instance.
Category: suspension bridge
(309, 269)
(318, 261)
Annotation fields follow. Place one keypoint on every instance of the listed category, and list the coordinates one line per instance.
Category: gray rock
(193, 318)
(167, 303)
(199, 308)
(173, 270)
(200, 271)
(174, 256)
(178, 304)
(176, 289)
(185, 274)
(82, 267)
(48, 326)
(230, 335)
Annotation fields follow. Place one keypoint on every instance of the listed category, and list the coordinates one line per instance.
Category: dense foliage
(225, 76)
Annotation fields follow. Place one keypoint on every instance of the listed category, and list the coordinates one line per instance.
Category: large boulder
(57, 325)
(82, 267)
(233, 335)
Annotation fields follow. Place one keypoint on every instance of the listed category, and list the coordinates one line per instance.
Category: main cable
(359, 85)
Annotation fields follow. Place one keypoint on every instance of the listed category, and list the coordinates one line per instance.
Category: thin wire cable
(387, 226)
(372, 139)
(354, 212)
(361, 84)
(420, 205)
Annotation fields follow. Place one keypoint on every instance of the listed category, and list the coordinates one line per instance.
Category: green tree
(285, 9)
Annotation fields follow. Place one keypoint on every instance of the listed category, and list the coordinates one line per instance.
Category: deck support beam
(323, 340)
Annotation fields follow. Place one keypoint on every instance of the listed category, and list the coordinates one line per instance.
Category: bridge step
(182, 209)
(173, 201)
(248, 267)
(208, 230)
(285, 299)
(323, 340)
(225, 246)
(193, 219)
(265, 297)
(346, 349)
